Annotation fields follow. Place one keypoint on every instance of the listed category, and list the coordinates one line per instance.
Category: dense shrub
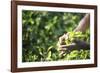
(40, 33)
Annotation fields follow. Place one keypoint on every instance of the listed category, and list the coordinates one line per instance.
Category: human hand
(75, 44)
(61, 43)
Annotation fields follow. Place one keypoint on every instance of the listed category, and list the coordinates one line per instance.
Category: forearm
(83, 24)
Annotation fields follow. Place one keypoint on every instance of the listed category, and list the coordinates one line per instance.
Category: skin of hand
(83, 25)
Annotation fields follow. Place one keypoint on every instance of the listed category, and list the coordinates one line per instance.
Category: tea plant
(40, 33)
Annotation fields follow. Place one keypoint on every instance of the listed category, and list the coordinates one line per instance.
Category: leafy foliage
(40, 33)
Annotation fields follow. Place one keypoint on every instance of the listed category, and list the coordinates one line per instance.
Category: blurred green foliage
(40, 33)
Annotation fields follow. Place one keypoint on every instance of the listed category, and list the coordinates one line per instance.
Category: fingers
(61, 41)
(62, 38)
(67, 47)
(63, 46)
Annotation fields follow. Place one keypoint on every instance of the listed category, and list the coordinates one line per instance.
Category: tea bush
(40, 33)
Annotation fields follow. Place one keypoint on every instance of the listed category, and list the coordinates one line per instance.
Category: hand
(61, 43)
(77, 44)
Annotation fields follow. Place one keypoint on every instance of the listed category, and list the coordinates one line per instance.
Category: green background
(41, 31)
